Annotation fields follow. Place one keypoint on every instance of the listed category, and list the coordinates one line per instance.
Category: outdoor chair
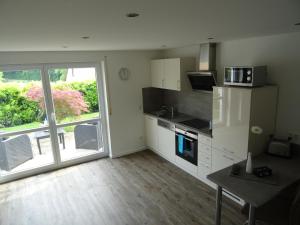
(14, 151)
(88, 136)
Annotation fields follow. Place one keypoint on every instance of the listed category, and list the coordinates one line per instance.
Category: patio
(46, 156)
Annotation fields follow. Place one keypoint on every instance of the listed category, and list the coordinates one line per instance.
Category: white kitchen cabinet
(237, 114)
(151, 129)
(157, 73)
(166, 143)
(171, 73)
(221, 160)
(204, 157)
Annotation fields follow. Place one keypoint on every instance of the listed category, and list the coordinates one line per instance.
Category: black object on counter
(263, 171)
(235, 169)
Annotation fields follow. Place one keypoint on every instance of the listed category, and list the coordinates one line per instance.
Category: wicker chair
(88, 136)
(15, 151)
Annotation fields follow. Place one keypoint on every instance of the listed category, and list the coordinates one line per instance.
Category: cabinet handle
(228, 158)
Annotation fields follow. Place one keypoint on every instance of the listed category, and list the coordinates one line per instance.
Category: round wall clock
(124, 73)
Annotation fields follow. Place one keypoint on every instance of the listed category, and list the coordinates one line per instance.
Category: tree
(66, 102)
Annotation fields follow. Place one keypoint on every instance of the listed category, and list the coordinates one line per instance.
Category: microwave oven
(249, 76)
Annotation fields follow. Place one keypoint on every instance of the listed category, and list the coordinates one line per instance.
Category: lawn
(38, 124)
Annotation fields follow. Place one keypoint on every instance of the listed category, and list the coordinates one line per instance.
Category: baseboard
(128, 152)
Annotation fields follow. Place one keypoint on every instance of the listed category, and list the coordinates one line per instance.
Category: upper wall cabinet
(171, 73)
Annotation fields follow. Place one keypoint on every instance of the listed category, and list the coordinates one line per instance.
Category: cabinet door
(172, 74)
(157, 73)
(151, 132)
(231, 119)
(221, 160)
(166, 143)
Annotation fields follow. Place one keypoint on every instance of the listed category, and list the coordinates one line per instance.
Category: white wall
(126, 121)
(281, 53)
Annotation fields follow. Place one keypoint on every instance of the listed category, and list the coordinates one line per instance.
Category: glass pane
(75, 97)
(25, 151)
(80, 140)
(22, 108)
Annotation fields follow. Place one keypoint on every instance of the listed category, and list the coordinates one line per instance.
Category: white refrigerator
(243, 119)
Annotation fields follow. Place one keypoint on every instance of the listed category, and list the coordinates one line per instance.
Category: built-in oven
(187, 145)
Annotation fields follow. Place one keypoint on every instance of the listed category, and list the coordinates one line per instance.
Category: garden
(22, 103)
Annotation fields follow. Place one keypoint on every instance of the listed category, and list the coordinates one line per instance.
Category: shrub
(87, 88)
(15, 109)
(66, 102)
(89, 92)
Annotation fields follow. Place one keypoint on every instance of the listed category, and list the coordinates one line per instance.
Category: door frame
(103, 116)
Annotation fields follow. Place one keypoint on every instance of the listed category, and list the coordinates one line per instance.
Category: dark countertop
(258, 193)
(180, 117)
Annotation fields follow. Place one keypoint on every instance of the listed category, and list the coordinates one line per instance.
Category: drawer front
(207, 165)
(204, 139)
(203, 171)
(221, 160)
(204, 148)
(204, 157)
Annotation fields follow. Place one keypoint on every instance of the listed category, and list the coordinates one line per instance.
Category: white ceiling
(42, 25)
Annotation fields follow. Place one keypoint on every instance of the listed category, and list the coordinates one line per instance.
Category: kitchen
(176, 133)
(201, 127)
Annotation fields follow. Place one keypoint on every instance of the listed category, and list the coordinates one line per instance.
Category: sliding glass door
(50, 116)
(77, 113)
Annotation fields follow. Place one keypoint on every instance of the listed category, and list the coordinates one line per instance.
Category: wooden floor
(138, 189)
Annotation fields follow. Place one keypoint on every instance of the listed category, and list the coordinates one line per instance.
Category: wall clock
(124, 73)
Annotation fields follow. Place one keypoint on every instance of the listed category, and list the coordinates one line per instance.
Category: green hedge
(16, 109)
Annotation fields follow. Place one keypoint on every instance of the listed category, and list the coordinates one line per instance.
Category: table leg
(218, 205)
(39, 145)
(251, 220)
(60, 138)
(63, 140)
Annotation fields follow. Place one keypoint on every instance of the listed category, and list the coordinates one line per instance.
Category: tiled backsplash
(193, 103)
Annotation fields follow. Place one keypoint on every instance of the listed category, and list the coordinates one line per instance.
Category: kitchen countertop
(180, 117)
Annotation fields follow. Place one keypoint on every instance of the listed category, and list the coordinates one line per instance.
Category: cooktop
(196, 123)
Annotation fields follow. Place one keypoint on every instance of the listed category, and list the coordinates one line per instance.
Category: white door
(172, 74)
(50, 110)
(231, 118)
(221, 160)
(157, 73)
(151, 130)
(166, 143)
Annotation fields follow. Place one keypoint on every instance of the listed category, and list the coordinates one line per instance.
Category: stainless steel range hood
(205, 77)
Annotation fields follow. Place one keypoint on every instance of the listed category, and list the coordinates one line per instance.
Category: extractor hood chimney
(205, 76)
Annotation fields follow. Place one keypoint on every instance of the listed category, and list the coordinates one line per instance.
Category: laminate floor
(137, 189)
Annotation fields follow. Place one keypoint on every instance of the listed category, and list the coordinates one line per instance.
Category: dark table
(253, 192)
(45, 134)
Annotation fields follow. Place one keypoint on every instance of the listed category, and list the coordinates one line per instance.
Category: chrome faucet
(172, 112)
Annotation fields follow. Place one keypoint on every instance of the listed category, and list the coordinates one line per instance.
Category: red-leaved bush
(66, 102)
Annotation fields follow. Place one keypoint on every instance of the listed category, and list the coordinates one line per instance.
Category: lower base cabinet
(162, 141)
(166, 143)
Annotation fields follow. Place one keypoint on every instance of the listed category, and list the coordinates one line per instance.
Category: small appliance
(280, 147)
(249, 76)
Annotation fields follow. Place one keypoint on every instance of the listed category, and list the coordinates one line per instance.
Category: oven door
(187, 148)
